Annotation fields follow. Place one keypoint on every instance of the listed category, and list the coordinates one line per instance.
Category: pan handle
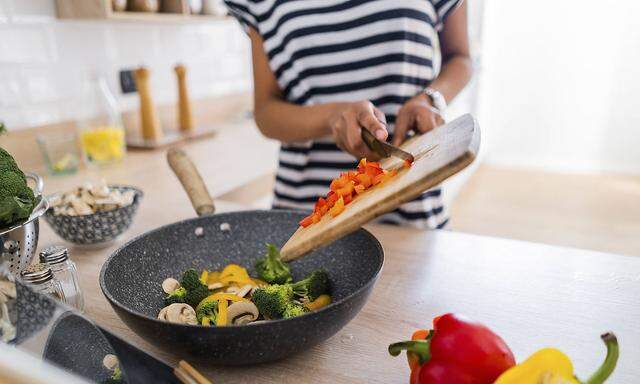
(191, 180)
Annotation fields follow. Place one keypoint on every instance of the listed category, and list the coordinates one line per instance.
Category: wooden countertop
(533, 295)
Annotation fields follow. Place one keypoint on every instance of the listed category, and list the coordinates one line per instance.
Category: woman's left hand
(416, 114)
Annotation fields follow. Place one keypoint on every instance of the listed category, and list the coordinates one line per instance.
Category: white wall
(44, 61)
(560, 85)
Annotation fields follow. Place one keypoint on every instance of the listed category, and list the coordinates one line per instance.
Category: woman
(325, 69)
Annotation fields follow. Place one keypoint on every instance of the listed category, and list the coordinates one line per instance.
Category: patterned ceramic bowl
(97, 228)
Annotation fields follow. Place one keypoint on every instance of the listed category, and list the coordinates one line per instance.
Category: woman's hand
(416, 114)
(348, 121)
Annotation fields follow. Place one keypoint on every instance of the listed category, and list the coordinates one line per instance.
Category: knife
(383, 148)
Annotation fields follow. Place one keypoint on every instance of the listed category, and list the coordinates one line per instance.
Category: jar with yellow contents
(102, 134)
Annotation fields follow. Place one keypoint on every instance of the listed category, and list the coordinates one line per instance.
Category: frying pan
(131, 279)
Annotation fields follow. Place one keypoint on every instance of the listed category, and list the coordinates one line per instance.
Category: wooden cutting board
(439, 154)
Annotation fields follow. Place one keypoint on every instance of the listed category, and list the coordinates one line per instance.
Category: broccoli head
(207, 309)
(116, 377)
(294, 310)
(271, 269)
(196, 291)
(272, 300)
(177, 296)
(190, 279)
(312, 286)
(16, 198)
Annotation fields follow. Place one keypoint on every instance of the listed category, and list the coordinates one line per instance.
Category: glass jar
(60, 152)
(39, 277)
(65, 271)
(102, 133)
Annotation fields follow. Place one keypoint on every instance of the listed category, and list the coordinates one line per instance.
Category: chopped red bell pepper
(347, 187)
(365, 180)
(346, 190)
(307, 221)
(337, 208)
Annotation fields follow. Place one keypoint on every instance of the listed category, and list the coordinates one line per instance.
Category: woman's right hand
(348, 121)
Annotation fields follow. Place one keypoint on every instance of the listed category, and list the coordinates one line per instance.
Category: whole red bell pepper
(456, 351)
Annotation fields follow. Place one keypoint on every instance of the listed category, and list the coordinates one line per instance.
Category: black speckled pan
(131, 280)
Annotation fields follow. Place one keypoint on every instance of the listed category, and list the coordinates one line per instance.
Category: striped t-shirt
(322, 51)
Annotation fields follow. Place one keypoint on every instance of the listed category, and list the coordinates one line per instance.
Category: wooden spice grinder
(185, 118)
(151, 129)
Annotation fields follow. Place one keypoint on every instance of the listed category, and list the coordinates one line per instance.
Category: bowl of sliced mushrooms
(93, 213)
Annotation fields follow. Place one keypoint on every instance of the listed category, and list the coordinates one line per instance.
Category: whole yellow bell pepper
(551, 366)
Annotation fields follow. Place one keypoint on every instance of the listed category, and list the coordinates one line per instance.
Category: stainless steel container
(19, 242)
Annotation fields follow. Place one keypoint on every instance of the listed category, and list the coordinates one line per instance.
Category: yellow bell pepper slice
(204, 276)
(214, 277)
(320, 302)
(221, 320)
(234, 273)
(224, 296)
(234, 269)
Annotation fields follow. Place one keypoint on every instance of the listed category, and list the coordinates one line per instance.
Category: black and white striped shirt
(322, 51)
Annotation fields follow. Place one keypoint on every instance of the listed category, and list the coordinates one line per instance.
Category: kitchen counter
(533, 295)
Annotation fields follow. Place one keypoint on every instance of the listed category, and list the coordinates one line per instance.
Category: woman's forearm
(289, 123)
(454, 76)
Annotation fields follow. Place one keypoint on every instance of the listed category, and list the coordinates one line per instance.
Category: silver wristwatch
(437, 100)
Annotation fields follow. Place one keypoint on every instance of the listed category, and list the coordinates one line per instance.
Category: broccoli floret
(293, 310)
(314, 285)
(116, 377)
(190, 279)
(16, 198)
(207, 309)
(196, 291)
(177, 296)
(271, 269)
(272, 300)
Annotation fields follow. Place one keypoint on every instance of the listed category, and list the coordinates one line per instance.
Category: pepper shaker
(151, 129)
(65, 271)
(185, 118)
(40, 278)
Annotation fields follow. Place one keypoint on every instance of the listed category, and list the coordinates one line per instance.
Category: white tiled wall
(44, 61)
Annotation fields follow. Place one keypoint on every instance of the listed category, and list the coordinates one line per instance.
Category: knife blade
(383, 148)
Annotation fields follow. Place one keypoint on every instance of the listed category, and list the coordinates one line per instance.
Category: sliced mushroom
(242, 312)
(163, 313)
(110, 361)
(242, 292)
(179, 313)
(170, 284)
(233, 290)
(215, 286)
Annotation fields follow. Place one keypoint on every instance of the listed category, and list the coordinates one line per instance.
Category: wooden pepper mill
(151, 129)
(185, 119)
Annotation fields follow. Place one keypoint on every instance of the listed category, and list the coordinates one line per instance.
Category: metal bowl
(19, 242)
(96, 228)
(131, 281)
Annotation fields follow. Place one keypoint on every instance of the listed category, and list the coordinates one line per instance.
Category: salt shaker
(40, 278)
(65, 271)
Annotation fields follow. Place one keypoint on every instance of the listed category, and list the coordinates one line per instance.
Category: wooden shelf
(163, 17)
(101, 10)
